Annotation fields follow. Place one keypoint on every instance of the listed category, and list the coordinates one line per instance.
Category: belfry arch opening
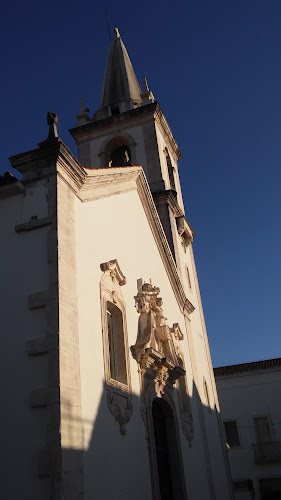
(167, 451)
(118, 152)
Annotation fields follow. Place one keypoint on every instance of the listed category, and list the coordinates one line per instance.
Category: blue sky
(214, 68)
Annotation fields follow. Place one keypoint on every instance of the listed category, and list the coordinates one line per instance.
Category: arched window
(167, 451)
(116, 345)
(170, 169)
(114, 327)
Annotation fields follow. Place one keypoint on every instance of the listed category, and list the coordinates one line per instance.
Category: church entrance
(167, 451)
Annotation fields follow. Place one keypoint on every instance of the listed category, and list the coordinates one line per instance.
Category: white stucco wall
(106, 229)
(23, 271)
(244, 396)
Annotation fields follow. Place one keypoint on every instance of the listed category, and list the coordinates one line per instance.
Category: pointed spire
(121, 90)
(146, 96)
(82, 116)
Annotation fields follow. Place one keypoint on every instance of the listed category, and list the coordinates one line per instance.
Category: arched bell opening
(118, 152)
(167, 451)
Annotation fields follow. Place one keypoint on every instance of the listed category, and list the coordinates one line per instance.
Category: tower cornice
(151, 110)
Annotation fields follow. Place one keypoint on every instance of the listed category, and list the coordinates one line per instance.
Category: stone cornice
(168, 196)
(11, 189)
(166, 131)
(42, 162)
(152, 110)
(162, 243)
(112, 120)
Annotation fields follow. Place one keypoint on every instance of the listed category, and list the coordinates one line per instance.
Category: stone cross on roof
(52, 120)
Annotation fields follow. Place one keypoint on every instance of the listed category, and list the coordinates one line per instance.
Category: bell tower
(129, 128)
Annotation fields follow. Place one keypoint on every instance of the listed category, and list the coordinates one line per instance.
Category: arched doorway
(167, 451)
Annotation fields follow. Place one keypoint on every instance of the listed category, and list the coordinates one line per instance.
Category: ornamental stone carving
(160, 358)
(118, 382)
(112, 269)
(121, 408)
(155, 346)
(185, 231)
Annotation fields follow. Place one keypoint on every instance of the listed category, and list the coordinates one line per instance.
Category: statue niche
(155, 349)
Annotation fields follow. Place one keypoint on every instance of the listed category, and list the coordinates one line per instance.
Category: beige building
(249, 396)
(108, 382)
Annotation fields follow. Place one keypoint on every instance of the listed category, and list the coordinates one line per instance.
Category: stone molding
(185, 231)
(163, 246)
(33, 223)
(112, 268)
(168, 197)
(121, 407)
(119, 397)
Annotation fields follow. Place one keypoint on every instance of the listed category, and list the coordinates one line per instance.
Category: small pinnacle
(145, 85)
(117, 34)
(83, 117)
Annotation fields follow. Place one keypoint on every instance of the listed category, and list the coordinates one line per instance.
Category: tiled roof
(267, 364)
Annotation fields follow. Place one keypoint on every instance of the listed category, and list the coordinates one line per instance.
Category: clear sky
(214, 67)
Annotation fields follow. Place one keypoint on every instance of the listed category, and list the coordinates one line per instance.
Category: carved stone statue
(154, 335)
(159, 355)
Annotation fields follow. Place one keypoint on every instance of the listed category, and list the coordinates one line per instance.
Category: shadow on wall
(134, 450)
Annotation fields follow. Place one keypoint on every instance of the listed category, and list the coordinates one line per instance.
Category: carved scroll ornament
(121, 408)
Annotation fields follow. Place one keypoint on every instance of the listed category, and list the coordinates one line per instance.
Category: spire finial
(147, 96)
(145, 85)
(82, 117)
(116, 30)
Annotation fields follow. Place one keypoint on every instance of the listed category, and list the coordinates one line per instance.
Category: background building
(111, 391)
(249, 396)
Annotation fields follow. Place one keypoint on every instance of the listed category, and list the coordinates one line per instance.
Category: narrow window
(231, 432)
(170, 169)
(267, 449)
(116, 345)
(188, 277)
(111, 344)
(207, 397)
(263, 430)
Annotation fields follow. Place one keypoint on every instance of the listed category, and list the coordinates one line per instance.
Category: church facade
(113, 392)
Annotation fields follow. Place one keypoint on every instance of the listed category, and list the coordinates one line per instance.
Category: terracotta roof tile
(266, 364)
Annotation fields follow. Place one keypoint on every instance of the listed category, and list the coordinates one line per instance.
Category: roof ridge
(249, 366)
